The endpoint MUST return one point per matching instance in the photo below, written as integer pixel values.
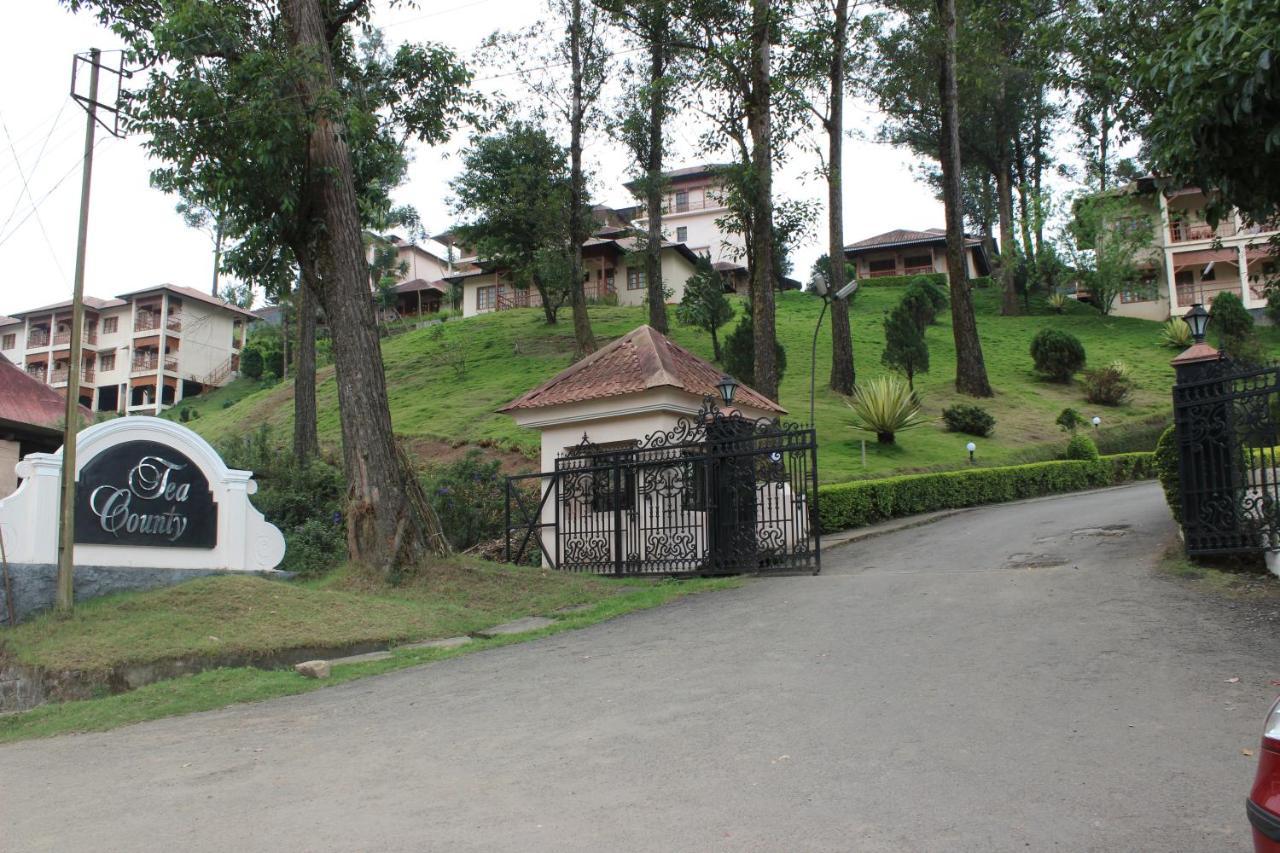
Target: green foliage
(469, 497)
(273, 362)
(251, 364)
(1109, 386)
(1057, 302)
(968, 419)
(937, 278)
(1070, 420)
(1081, 447)
(1105, 237)
(1273, 303)
(905, 347)
(1166, 462)
(1233, 325)
(1057, 354)
(846, 505)
(704, 305)
(923, 300)
(1176, 334)
(739, 352)
(885, 406)
(305, 502)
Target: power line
(52, 189)
(26, 188)
(34, 166)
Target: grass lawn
(230, 615)
(445, 382)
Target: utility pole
(67, 505)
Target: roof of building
(401, 243)
(906, 237)
(8, 321)
(688, 173)
(417, 284)
(636, 362)
(189, 293)
(91, 302)
(626, 245)
(26, 400)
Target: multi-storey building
(1190, 261)
(142, 351)
(691, 212)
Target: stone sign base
(35, 584)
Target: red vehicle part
(1263, 805)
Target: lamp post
(818, 284)
(1198, 319)
(971, 447)
(727, 386)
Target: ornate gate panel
(717, 494)
(1228, 427)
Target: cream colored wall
(14, 353)
(1155, 309)
(471, 288)
(8, 459)
(206, 339)
(421, 265)
(116, 342)
(676, 269)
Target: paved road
(1006, 679)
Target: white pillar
(160, 356)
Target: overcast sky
(137, 240)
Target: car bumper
(1266, 828)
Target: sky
(136, 239)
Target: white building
(143, 351)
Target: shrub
(1069, 420)
(885, 406)
(1273, 304)
(1228, 318)
(971, 420)
(270, 377)
(185, 414)
(1175, 333)
(923, 300)
(739, 352)
(226, 404)
(845, 505)
(1057, 302)
(1166, 464)
(940, 279)
(273, 362)
(251, 362)
(469, 497)
(905, 348)
(1108, 386)
(1057, 354)
(1082, 447)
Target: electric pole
(67, 505)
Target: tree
(516, 189)
(739, 352)
(1106, 237)
(197, 216)
(704, 304)
(905, 347)
(1212, 91)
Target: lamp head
(971, 447)
(727, 386)
(818, 283)
(1198, 319)
(848, 290)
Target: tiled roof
(420, 284)
(29, 401)
(90, 302)
(8, 321)
(190, 293)
(906, 237)
(687, 172)
(641, 360)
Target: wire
(434, 14)
(52, 189)
(26, 188)
(34, 166)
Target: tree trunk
(1037, 170)
(653, 169)
(389, 523)
(843, 372)
(1024, 206)
(1008, 253)
(583, 338)
(1104, 134)
(306, 444)
(971, 370)
(762, 271)
(715, 344)
(218, 236)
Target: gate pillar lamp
(727, 386)
(1198, 319)
(971, 447)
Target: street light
(818, 284)
(971, 447)
(1198, 319)
(727, 386)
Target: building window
(915, 263)
(608, 279)
(636, 279)
(682, 234)
(110, 325)
(107, 362)
(487, 298)
(682, 201)
(9, 341)
(883, 266)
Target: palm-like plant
(1057, 302)
(1175, 333)
(885, 406)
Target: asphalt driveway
(1012, 678)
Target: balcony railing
(1184, 230)
(174, 323)
(145, 363)
(146, 322)
(917, 270)
(1190, 294)
(38, 339)
(881, 273)
(36, 371)
(59, 375)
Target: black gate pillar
(1206, 447)
(732, 512)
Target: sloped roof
(8, 321)
(93, 303)
(417, 284)
(25, 400)
(190, 293)
(686, 173)
(638, 361)
(906, 237)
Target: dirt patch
(1034, 561)
(1105, 532)
(428, 452)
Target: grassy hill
(446, 381)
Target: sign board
(145, 493)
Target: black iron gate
(717, 494)
(1227, 418)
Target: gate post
(1205, 469)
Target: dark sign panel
(145, 493)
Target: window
(682, 234)
(9, 341)
(883, 266)
(487, 298)
(107, 362)
(916, 262)
(636, 279)
(110, 325)
(608, 279)
(682, 201)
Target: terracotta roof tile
(641, 360)
(905, 237)
(29, 401)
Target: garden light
(971, 447)
(727, 386)
(1198, 319)
(1097, 421)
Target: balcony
(1188, 229)
(37, 338)
(59, 376)
(36, 371)
(146, 322)
(925, 270)
(173, 323)
(687, 206)
(1205, 291)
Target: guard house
(646, 470)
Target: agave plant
(1175, 333)
(885, 406)
(1057, 302)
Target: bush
(273, 362)
(1057, 354)
(1069, 420)
(1082, 447)
(1273, 304)
(1166, 464)
(923, 300)
(251, 362)
(1234, 326)
(469, 497)
(226, 404)
(184, 414)
(937, 278)
(1057, 302)
(971, 420)
(845, 505)
(1108, 386)
(885, 406)
(905, 347)
(739, 352)
(1175, 333)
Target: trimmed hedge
(937, 278)
(845, 505)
